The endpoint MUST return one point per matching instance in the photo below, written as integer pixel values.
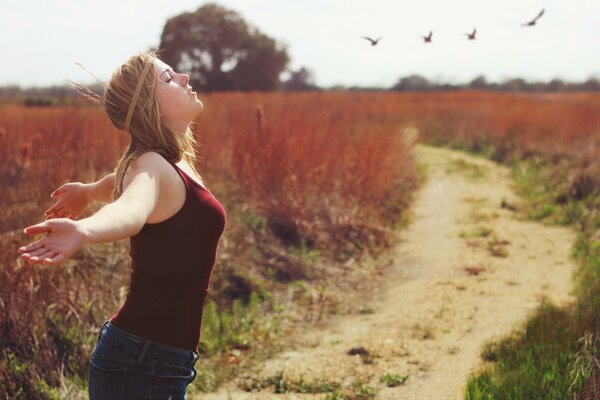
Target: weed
(336, 395)
(585, 362)
(392, 380)
(363, 391)
(479, 231)
(280, 384)
(252, 221)
(543, 212)
(471, 170)
(497, 247)
(306, 252)
(505, 204)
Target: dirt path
(466, 271)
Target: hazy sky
(41, 39)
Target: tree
(479, 83)
(302, 79)
(515, 85)
(556, 85)
(221, 51)
(412, 83)
(592, 84)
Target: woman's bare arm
(74, 197)
(127, 215)
(101, 190)
(118, 220)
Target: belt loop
(102, 329)
(143, 352)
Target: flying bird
(471, 36)
(532, 22)
(427, 39)
(373, 41)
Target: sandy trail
(466, 271)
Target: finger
(59, 191)
(47, 214)
(53, 216)
(31, 259)
(28, 254)
(39, 252)
(53, 209)
(35, 259)
(59, 214)
(54, 260)
(31, 247)
(47, 258)
(39, 228)
(40, 255)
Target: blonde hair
(147, 130)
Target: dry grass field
(313, 183)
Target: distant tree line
(302, 80)
(421, 84)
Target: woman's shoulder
(149, 162)
(154, 158)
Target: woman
(148, 349)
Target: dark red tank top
(171, 267)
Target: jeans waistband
(143, 348)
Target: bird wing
(368, 38)
(539, 15)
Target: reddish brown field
(328, 164)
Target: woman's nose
(186, 79)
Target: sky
(41, 40)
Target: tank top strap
(189, 180)
(182, 175)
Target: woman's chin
(197, 112)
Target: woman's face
(178, 103)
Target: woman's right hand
(63, 238)
(73, 197)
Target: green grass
(480, 231)
(543, 212)
(557, 350)
(237, 326)
(358, 390)
(305, 252)
(531, 364)
(470, 170)
(392, 380)
(242, 334)
(364, 391)
(280, 384)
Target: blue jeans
(124, 366)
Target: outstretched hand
(63, 238)
(73, 197)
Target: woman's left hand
(63, 238)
